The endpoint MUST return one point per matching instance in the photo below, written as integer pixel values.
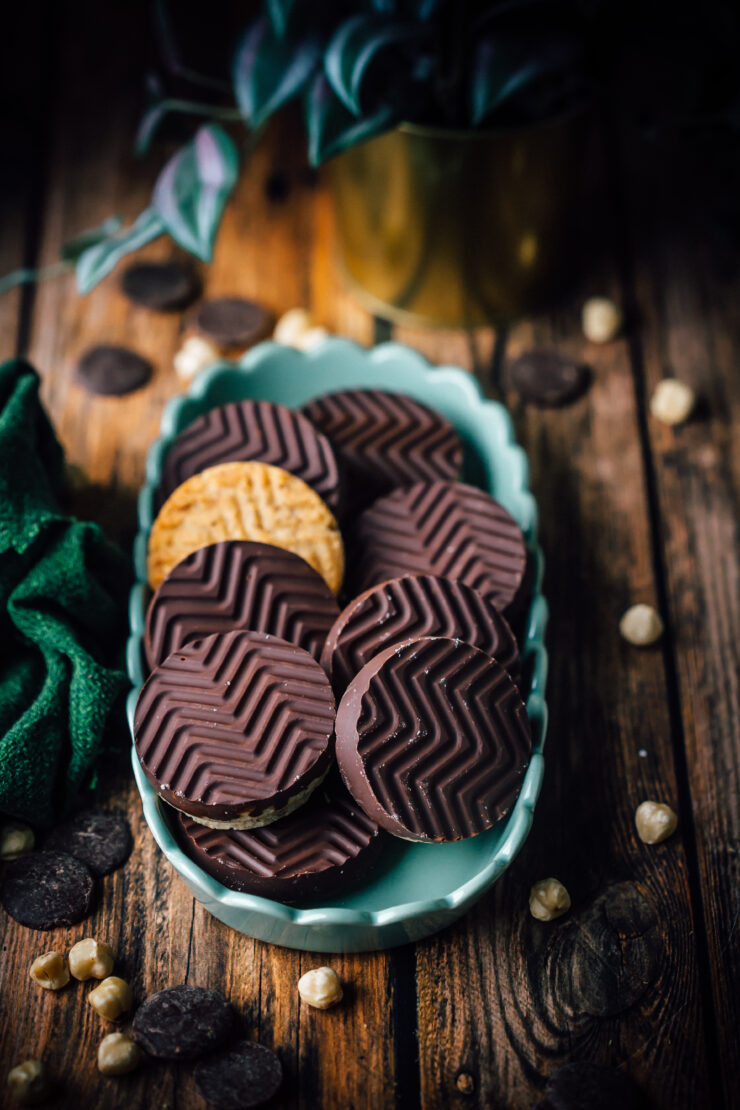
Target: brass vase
(459, 228)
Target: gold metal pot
(458, 228)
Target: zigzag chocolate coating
(253, 431)
(447, 529)
(385, 440)
(233, 728)
(319, 849)
(433, 740)
(237, 584)
(408, 608)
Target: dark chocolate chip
(182, 1023)
(586, 1086)
(163, 286)
(244, 1076)
(100, 840)
(112, 371)
(233, 321)
(548, 378)
(46, 889)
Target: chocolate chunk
(112, 371)
(447, 529)
(182, 1023)
(101, 840)
(236, 728)
(408, 608)
(163, 286)
(47, 889)
(238, 584)
(256, 431)
(548, 378)
(318, 850)
(385, 440)
(433, 740)
(243, 1076)
(586, 1086)
(233, 321)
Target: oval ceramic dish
(418, 888)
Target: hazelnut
(111, 998)
(320, 988)
(29, 1083)
(641, 625)
(90, 959)
(16, 840)
(673, 401)
(118, 1054)
(291, 326)
(50, 971)
(195, 354)
(311, 337)
(601, 320)
(655, 821)
(548, 899)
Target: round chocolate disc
(433, 740)
(47, 889)
(233, 321)
(244, 1076)
(112, 371)
(249, 431)
(162, 286)
(385, 440)
(547, 378)
(318, 850)
(101, 840)
(446, 529)
(236, 729)
(183, 1022)
(408, 608)
(238, 584)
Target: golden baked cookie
(246, 501)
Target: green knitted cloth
(62, 617)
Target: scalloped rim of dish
(520, 819)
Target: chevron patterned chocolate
(443, 528)
(236, 729)
(433, 740)
(256, 431)
(408, 608)
(238, 584)
(385, 440)
(320, 849)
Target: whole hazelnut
(50, 971)
(194, 355)
(673, 401)
(291, 326)
(601, 320)
(29, 1083)
(16, 840)
(111, 998)
(320, 988)
(655, 821)
(548, 899)
(641, 625)
(90, 959)
(118, 1054)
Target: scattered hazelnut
(111, 998)
(118, 1054)
(548, 899)
(195, 354)
(655, 821)
(15, 841)
(29, 1083)
(641, 625)
(320, 988)
(90, 959)
(673, 401)
(601, 320)
(291, 326)
(50, 971)
(312, 337)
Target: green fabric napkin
(62, 618)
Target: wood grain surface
(644, 973)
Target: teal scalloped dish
(417, 888)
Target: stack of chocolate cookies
(290, 735)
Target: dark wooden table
(644, 973)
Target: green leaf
(507, 65)
(148, 126)
(268, 71)
(352, 49)
(98, 261)
(73, 248)
(192, 190)
(280, 12)
(332, 128)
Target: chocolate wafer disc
(433, 740)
